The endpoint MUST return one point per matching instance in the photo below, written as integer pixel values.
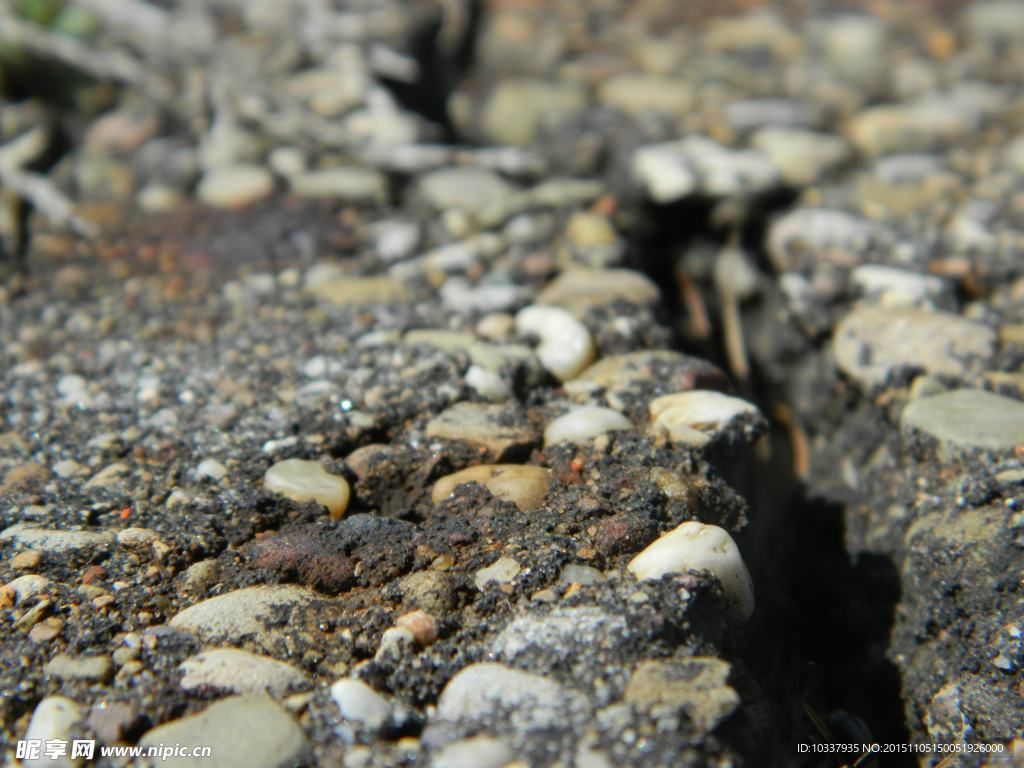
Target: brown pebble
(7, 597)
(443, 563)
(44, 632)
(422, 625)
(26, 477)
(625, 533)
(93, 573)
(27, 561)
(360, 459)
(112, 721)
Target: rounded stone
(967, 419)
(359, 703)
(694, 546)
(871, 342)
(584, 422)
(239, 672)
(301, 480)
(524, 486)
(234, 186)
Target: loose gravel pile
(350, 421)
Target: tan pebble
(7, 597)
(360, 459)
(160, 549)
(307, 480)
(524, 486)
(443, 563)
(46, 631)
(103, 602)
(27, 561)
(544, 596)
(135, 537)
(422, 625)
(495, 326)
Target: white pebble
(273, 446)
(394, 644)
(287, 161)
(489, 384)
(704, 411)
(566, 347)
(878, 279)
(477, 752)
(360, 703)
(307, 480)
(694, 546)
(502, 572)
(28, 586)
(396, 240)
(584, 422)
(233, 186)
(458, 294)
(211, 469)
(53, 718)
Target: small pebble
(27, 561)
(495, 326)
(475, 752)
(307, 480)
(28, 586)
(421, 624)
(694, 417)
(395, 643)
(239, 672)
(359, 703)
(501, 572)
(565, 347)
(211, 469)
(694, 546)
(53, 718)
(524, 486)
(488, 384)
(92, 668)
(136, 537)
(234, 186)
(583, 423)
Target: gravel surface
(580, 384)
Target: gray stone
(59, 542)
(579, 289)
(967, 419)
(240, 672)
(567, 632)
(696, 686)
(241, 730)
(485, 425)
(871, 342)
(91, 668)
(489, 691)
(233, 186)
(348, 183)
(253, 614)
(463, 187)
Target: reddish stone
(625, 533)
(305, 559)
